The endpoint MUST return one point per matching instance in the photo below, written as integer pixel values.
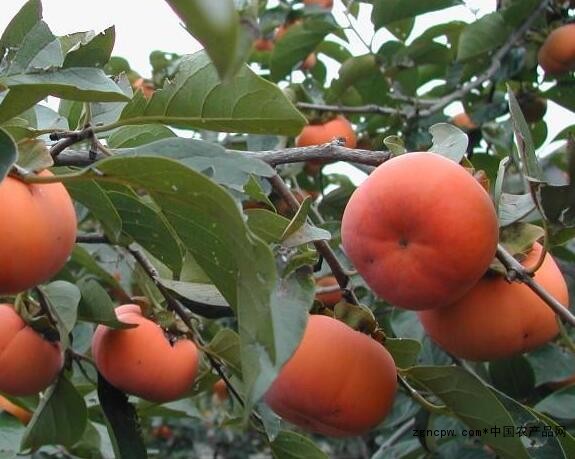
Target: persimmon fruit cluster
(142, 361)
(339, 382)
(420, 230)
(38, 232)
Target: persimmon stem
(46, 179)
(519, 273)
(416, 396)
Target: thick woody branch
(516, 271)
(328, 152)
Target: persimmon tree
(207, 217)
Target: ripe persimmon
(557, 54)
(339, 382)
(464, 121)
(142, 361)
(38, 232)
(316, 134)
(420, 230)
(309, 62)
(328, 298)
(28, 362)
(17, 411)
(327, 4)
(146, 86)
(263, 44)
(497, 319)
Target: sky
(142, 27)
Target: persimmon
(17, 411)
(464, 121)
(38, 232)
(497, 319)
(316, 134)
(420, 230)
(557, 54)
(263, 44)
(327, 4)
(284, 208)
(220, 389)
(28, 362)
(329, 298)
(145, 86)
(339, 382)
(142, 361)
(309, 62)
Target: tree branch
(493, 68)
(328, 152)
(370, 108)
(516, 271)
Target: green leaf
(530, 165)
(541, 445)
(135, 136)
(388, 11)
(216, 25)
(40, 50)
(8, 155)
(448, 141)
(148, 227)
(559, 404)
(95, 198)
(202, 299)
(122, 422)
(514, 207)
(404, 351)
(33, 155)
(299, 219)
(96, 305)
(63, 298)
(472, 402)
(59, 419)
(297, 43)
(93, 52)
(481, 36)
(226, 346)
(198, 99)
(562, 93)
(551, 363)
(291, 445)
(230, 168)
(28, 16)
(513, 376)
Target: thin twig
(322, 247)
(397, 434)
(493, 68)
(516, 271)
(369, 108)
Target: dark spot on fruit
(403, 242)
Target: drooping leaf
(95, 52)
(96, 305)
(472, 402)
(8, 153)
(28, 16)
(60, 418)
(216, 25)
(197, 98)
(63, 298)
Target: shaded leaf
(481, 36)
(63, 298)
(94, 52)
(403, 350)
(388, 11)
(291, 445)
(8, 155)
(96, 305)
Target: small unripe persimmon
(309, 62)
(498, 319)
(420, 230)
(38, 232)
(142, 361)
(220, 389)
(557, 54)
(339, 382)
(328, 298)
(28, 362)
